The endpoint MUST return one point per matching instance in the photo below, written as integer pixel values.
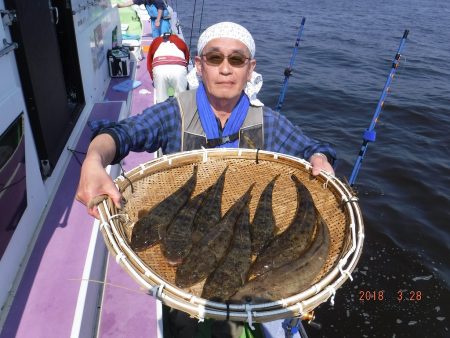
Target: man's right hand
(94, 180)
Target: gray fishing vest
(193, 137)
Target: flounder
(206, 254)
(288, 245)
(232, 271)
(146, 231)
(209, 213)
(177, 240)
(291, 278)
(263, 226)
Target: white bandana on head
(226, 30)
(233, 31)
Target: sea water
(342, 64)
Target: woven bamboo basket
(149, 183)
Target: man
(217, 114)
(157, 10)
(167, 61)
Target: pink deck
(45, 303)
(130, 312)
(47, 295)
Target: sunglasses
(216, 59)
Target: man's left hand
(320, 162)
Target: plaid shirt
(160, 127)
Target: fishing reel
(288, 72)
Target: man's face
(225, 81)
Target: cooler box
(119, 62)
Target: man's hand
(94, 180)
(320, 162)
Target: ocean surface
(342, 65)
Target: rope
(124, 176)
(157, 290)
(332, 291)
(345, 199)
(104, 224)
(75, 152)
(122, 217)
(120, 256)
(201, 313)
(300, 308)
(6, 187)
(141, 172)
(344, 272)
(205, 155)
(316, 289)
(107, 283)
(325, 185)
(248, 309)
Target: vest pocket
(193, 141)
(251, 137)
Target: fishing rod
(288, 71)
(370, 134)
(201, 18)
(192, 26)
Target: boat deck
(126, 309)
(71, 285)
(61, 292)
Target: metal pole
(370, 134)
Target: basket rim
(295, 305)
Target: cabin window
(13, 190)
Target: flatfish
(209, 213)
(206, 255)
(231, 274)
(146, 231)
(263, 225)
(176, 242)
(290, 278)
(288, 245)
